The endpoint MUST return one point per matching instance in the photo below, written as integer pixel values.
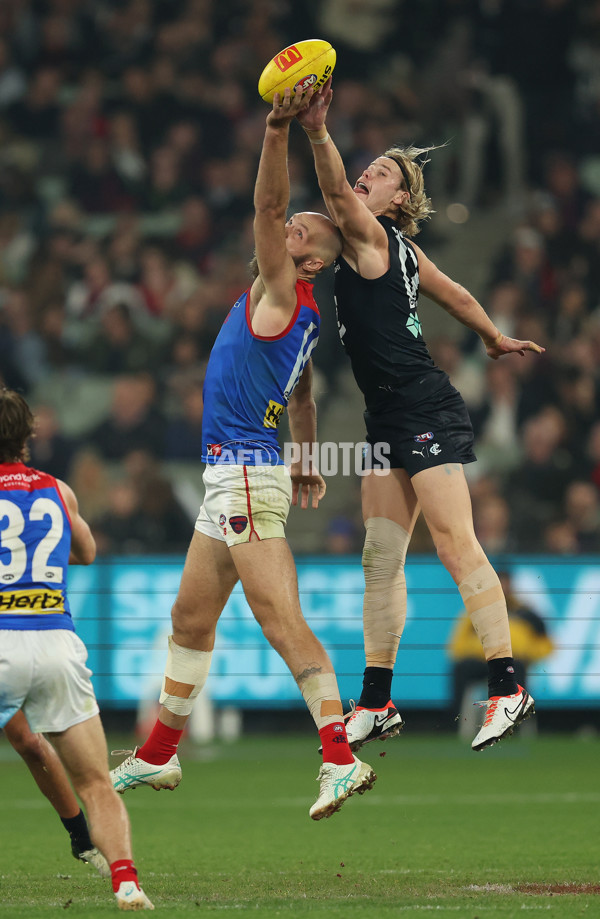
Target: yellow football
(305, 64)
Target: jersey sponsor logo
(213, 449)
(238, 523)
(287, 58)
(29, 602)
(420, 452)
(273, 414)
(423, 438)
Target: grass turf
(501, 833)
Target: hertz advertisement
(122, 611)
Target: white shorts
(244, 503)
(45, 674)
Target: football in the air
(300, 66)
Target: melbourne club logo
(238, 523)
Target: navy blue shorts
(432, 432)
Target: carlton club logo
(287, 58)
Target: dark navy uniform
(410, 403)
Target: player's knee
(459, 553)
(94, 785)
(384, 551)
(189, 628)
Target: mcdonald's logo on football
(287, 58)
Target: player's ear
(400, 197)
(313, 265)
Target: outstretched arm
(271, 198)
(358, 226)
(459, 303)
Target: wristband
(320, 140)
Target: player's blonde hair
(411, 161)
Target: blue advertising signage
(122, 612)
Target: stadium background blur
(129, 140)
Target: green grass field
(503, 833)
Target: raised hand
(313, 116)
(286, 107)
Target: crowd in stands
(130, 132)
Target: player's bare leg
(50, 777)
(82, 750)
(268, 574)
(444, 497)
(208, 578)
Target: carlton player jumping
(260, 364)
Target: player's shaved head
(325, 238)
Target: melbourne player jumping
(260, 364)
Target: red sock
(335, 744)
(123, 870)
(161, 745)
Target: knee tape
(185, 675)
(384, 606)
(486, 605)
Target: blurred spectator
(89, 474)
(36, 115)
(582, 512)
(98, 290)
(343, 537)
(537, 490)
(491, 519)
(119, 344)
(183, 436)
(12, 81)
(134, 422)
(122, 529)
(50, 450)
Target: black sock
(501, 677)
(77, 829)
(377, 687)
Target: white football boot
(367, 724)
(338, 783)
(503, 714)
(130, 896)
(133, 771)
(92, 857)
